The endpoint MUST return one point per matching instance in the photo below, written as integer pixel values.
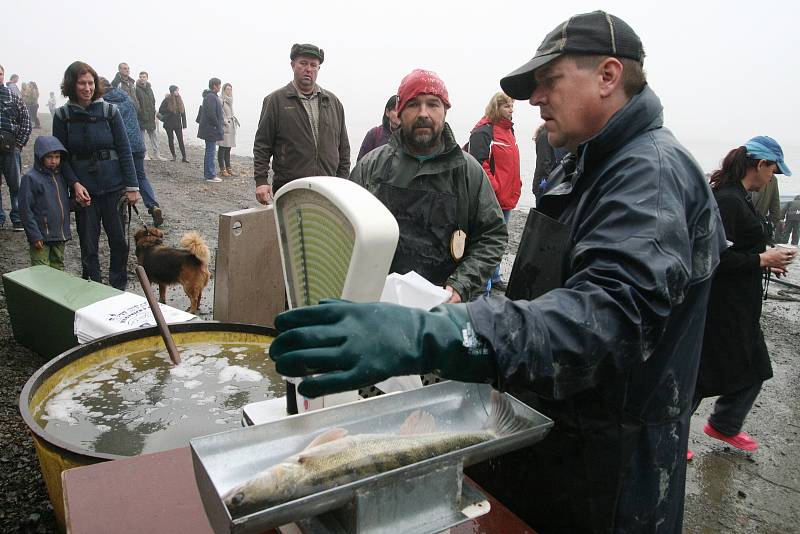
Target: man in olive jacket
(451, 227)
(301, 129)
(146, 114)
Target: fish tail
(502, 419)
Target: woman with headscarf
(93, 132)
(379, 135)
(230, 124)
(735, 362)
(172, 114)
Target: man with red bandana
(451, 226)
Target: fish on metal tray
(334, 458)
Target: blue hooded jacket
(125, 105)
(43, 199)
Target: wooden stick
(156, 309)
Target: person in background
(173, 116)
(120, 98)
(379, 135)
(15, 130)
(51, 103)
(44, 203)
(547, 157)
(768, 203)
(147, 114)
(30, 95)
(12, 85)
(610, 353)
(451, 227)
(791, 214)
(493, 144)
(231, 123)
(123, 80)
(301, 129)
(104, 177)
(735, 361)
(211, 128)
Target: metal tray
(221, 461)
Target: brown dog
(166, 266)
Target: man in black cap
(610, 351)
(302, 129)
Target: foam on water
(239, 374)
(125, 407)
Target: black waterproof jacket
(612, 355)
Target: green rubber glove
(353, 345)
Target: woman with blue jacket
(100, 170)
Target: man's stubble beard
(421, 141)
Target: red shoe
(689, 455)
(741, 440)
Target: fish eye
(238, 498)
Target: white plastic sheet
(120, 313)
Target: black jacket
(172, 120)
(211, 120)
(734, 353)
(612, 354)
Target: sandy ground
(727, 490)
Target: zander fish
(334, 458)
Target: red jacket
(495, 147)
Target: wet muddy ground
(727, 490)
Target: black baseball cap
(595, 33)
(307, 50)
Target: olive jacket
(147, 106)
(486, 232)
(284, 136)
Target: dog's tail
(197, 246)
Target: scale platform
(424, 497)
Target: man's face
(124, 69)
(51, 160)
(305, 70)
(569, 102)
(2, 76)
(422, 121)
(84, 87)
(143, 78)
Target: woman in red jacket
(493, 144)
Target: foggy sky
(725, 71)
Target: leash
(131, 208)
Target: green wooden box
(42, 302)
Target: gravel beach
(727, 490)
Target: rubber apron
(427, 221)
